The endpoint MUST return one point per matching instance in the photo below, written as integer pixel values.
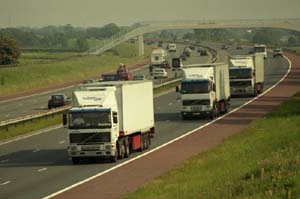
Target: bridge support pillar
(141, 45)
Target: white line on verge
(30, 135)
(36, 150)
(5, 183)
(43, 169)
(171, 141)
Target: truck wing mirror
(177, 89)
(65, 120)
(115, 117)
(214, 87)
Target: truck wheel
(126, 146)
(75, 160)
(121, 149)
(114, 158)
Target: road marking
(3, 161)
(167, 121)
(36, 150)
(7, 115)
(43, 169)
(5, 183)
(61, 142)
(25, 111)
(171, 141)
(20, 104)
(170, 104)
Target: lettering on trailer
(196, 75)
(92, 98)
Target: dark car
(58, 100)
(203, 52)
(277, 52)
(183, 57)
(239, 47)
(224, 47)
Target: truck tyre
(114, 158)
(121, 149)
(126, 146)
(75, 160)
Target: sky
(87, 13)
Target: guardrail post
(141, 45)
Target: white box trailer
(205, 90)
(110, 119)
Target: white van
(172, 47)
(159, 73)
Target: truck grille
(195, 102)
(87, 138)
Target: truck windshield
(239, 73)
(193, 87)
(259, 49)
(240, 83)
(90, 120)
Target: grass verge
(43, 69)
(262, 161)
(29, 126)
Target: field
(41, 69)
(261, 162)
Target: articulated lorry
(204, 90)
(159, 58)
(110, 119)
(246, 75)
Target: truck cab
(261, 50)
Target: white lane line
(43, 169)
(7, 115)
(3, 161)
(36, 150)
(170, 104)
(30, 135)
(61, 142)
(5, 183)
(167, 121)
(171, 141)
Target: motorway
(38, 166)
(38, 103)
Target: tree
(9, 51)
(292, 41)
(82, 43)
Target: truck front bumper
(194, 114)
(90, 151)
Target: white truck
(159, 58)
(260, 49)
(204, 90)
(172, 47)
(110, 119)
(246, 74)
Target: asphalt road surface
(38, 166)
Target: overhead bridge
(154, 26)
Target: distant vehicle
(192, 47)
(123, 72)
(177, 63)
(172, 47)
(159, 73)
(224, 47)
(183, 57)
(204, 90)
(187, 52)
(261, 49)
(160, 44)
(246, 75)
(139, 77)
(203, 52)
(159, 58)
(58, 100)
(110, 120)
(277, 52)
(239, 47)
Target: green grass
(42, 69)
(234, 169)
(29, 126)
